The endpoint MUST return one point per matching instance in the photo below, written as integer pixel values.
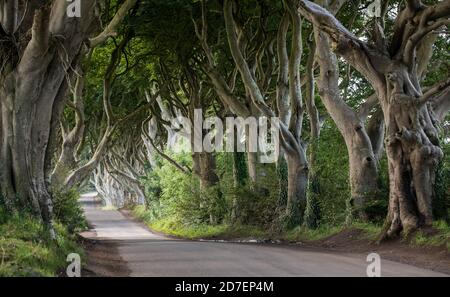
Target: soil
(398, 250)
(103, 259)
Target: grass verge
(173, 227)
(27, 250)
(439, 237)
(367, 231)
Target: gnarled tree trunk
(32, 94)
(413, 152)
(33, 89)
(395, 72)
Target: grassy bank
(27, 250)
(440, 236)
(174, 227)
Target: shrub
(441, 203)
(68, 211)
(174, 194)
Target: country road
(149, 254)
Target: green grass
(27, 250)
(304, 234)
(369, 231)
(442, 238)
(174, 227)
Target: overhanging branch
(110, 29)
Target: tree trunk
(71, 140)
(31, 96)
(282, 174)
(413, 152)
(363, 172)
(252, 161)
(312, 212)
(209, 183)
(395, 69)
(296, 194)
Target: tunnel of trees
(90, 93)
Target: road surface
(149, 254)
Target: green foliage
(252, 208)
(332, 163)
(441, 203)
(27, 250)
(68, 211)
(282, 173)
(172, 193)
(177, 197)
(312, 212)
(302, 233)
(255, 204)
(173, 227)
(439, 238)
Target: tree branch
(110, 29)
(367, 106)
(369, 61)
(9, 15)
(295, 92)
(161, 153)
(435, 91)
(441, 104)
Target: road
(149, 254)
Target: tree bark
(71, 139)
(363, 171)
(312, 212)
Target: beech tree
(41, 44)
(290, 98)
(395, 70)
(364, 148)
(95, 98)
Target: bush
(68, 211)
(171, 193)
(253, 207)
(441, 204)
(333, 185)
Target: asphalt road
(149, 254)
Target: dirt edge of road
(352, 241)
(103, 259)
